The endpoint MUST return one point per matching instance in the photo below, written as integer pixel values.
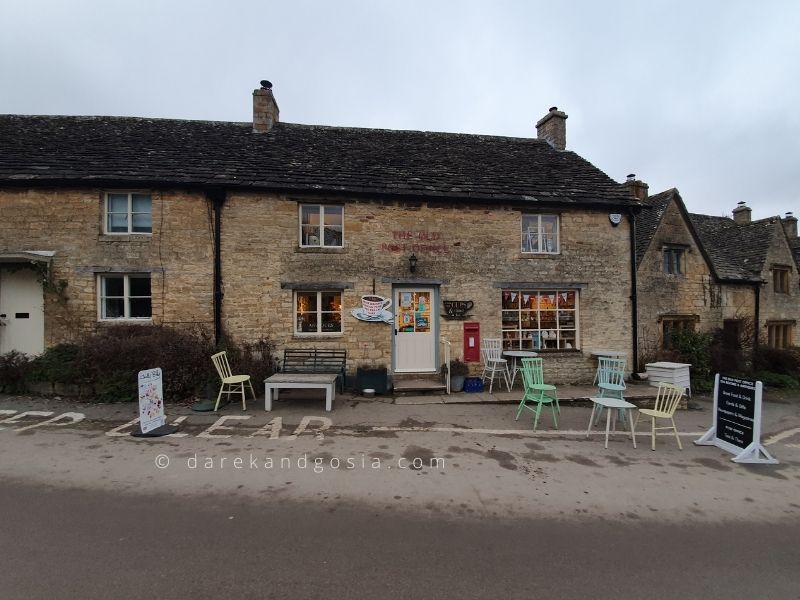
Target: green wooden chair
(536, 391)
(610, 379)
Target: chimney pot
(553, 128)
(631, 176)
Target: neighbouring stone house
(327, 237)
(707, 273)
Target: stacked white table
(669, 372)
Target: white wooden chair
(493, 362)
(231, 384)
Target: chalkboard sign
(736, 406)
(737, 420)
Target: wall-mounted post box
(472, 342)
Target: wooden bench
(316, 361)
(285, 381)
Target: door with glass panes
(415, 337)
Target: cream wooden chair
(667, 400)
(493, 362)
(233, 383)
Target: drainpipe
(634, 295)
(217, 197)
(757, 316)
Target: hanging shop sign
(737, 420)
(457, 309)
(374, 309)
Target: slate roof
(60, 150)
(794, 244)
(738, 252)
(647, 221)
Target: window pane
(309, 215)
(529, 300)
(529, 319)
(113, 308)
(113, 286)
(142, 222)
(333, 215)
(331, 301)
(547, 319)
(307, 323)
(333, 236)
(549, 234)
(510, 300)
(118, 223)
(566, 300)
(530, 233)
(306, 301)
(331, 322)
(141, 308)
(311, 235)
(139, 286)
(510, 319)
(547, 300)
(118, 203)
(566, 319)
(141, 203)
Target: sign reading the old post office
(737, 420)
(416, 242)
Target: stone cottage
(382, 243)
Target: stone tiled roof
(738, 252)
(647, 221)
(794, 244)
(297, 158)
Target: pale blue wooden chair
(537, 391)
(611, 381)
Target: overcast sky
(702, 96)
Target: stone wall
(178, 254)
(778, 306)
(469, 249)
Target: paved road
(58, 543)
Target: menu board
(736, 404)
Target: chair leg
(652, 433)
(555, 418)
(252, 390)
(677, 437)
(591, 419)
(244, 402)
(555, 396)
(219, 397)
(536, 416)
(519, 409)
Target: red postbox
(472, 341)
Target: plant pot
(457, 383)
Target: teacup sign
(374, 309)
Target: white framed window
(128, 212)
(124, 297)
(540, 234)
(321, 226)
(540, 319)
(318, 313)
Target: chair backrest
(668, 398)
(491, 349)
(532, 372)
(220, 360)
(611, 371)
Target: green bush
(58, 364)
(777, 380)
(785, 362)
(14, 368)
(694, 348)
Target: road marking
(72, 416)
(27, 413)
(218, 424)
(304, 423)
(523, 432)
(782, 436)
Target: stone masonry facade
(178, 255)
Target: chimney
(553, 128)
(790, 225)
(638, 189)
(741, 214)
(265, 109)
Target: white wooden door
(415, 326)
(21, 312)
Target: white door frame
(434, 326)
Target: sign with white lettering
(151, 400)
(737, 420)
